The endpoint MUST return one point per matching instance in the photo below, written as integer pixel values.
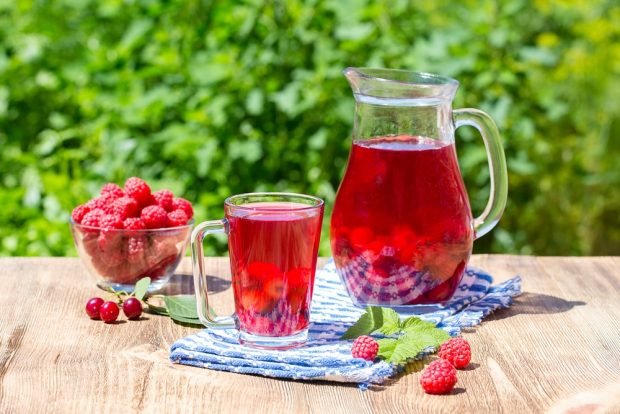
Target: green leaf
(411, 344)
(386, 347)
(141, 288)
(366, 324)
(432, 336)
(391, 321)
(406, 349)
(376, 318)
(184, 320)
(157, 310)
(181, 306)
(414, 323)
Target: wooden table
(560, 338)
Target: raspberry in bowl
(129, 233)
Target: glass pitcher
(402, 229)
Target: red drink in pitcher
(401, 230)
(273, 252)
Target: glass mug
(273, 241)
(402, 229)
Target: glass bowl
(119, 258)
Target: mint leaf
(141, 287)
(181, 306)
(391, 321)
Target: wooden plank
(561, 338)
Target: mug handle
(497, 166)
(205, 313)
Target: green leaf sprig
(139, 291)
(407, 338)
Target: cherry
(92, 307)
(109, 312)
(132, 308)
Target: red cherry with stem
(132, 308)
(92, 307)
(109, 312)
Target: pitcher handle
(205, 314)
(497, 166)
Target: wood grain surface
(560, 340)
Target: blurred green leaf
(216, 98)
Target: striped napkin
(325, 356)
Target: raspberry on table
(139, 190)
(179, 203)
(164, 199)
(365, 347)
(134, 223)
(113, 190)
(79, 212)
(438, 377)
(177, 218)
(154, 217)
(456, 351)
(125, 207)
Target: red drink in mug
(273, 245)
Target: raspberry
(365, 347)
(163, 266)
(91, 219)
(89, 241)
(182, 204)
(137, 189)
(154, 217)
(177, 218)
(109, 240)
(136, 246)
(438, 377)
(103, 202)
(79, 212)
(164, 199)
(113, 190)
(456, 351)
(112, 257)
(111, 222)
(134, 223)
(125, 207)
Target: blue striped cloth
(325, 356)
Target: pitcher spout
(400, 84)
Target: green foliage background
(215, 98)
